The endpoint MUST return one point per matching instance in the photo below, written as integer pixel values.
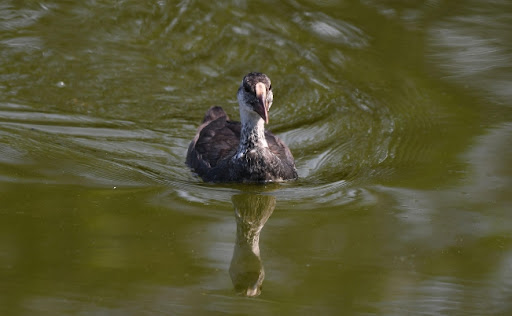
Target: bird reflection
(251, 213)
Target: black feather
(211, 154)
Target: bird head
(255, 94)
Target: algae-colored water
(398, 114)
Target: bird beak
(262, 107)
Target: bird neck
(252, 134)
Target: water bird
(228, 151)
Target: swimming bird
(229, 151)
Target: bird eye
(270, 88)
(247, 88)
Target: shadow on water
(252, 210)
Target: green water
(398, 114)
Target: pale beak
(262, 106)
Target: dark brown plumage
(228, 151)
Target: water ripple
(331, 30)
(127, 97)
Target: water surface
(398, 115)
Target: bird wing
(214, 113)
(279, 148)
(215, 141)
